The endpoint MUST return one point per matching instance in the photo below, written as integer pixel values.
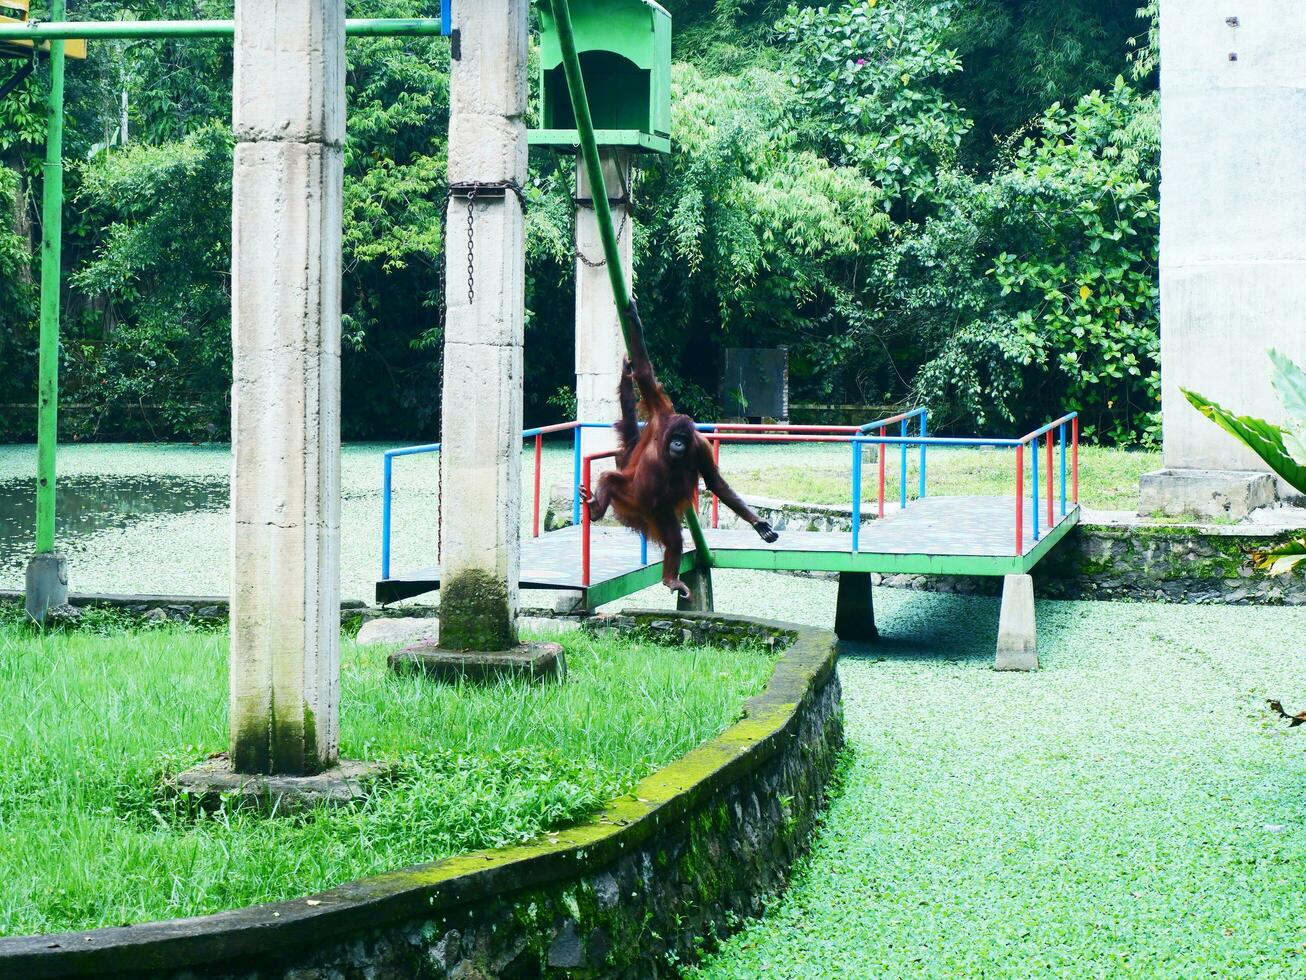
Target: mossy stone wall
(642, 888)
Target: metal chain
(470, 190)
(471, 245)
(625, 216)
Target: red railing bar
(716, 502)
(1020, 499)
(881, 455)
(914, 413)
(756, 427)
(1052, 519)
(780, 437)
(585, 527)
(539, 454)
(1074, 454)
(585, 515)
(1045, 428)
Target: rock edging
(632, 892)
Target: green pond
(153, 517)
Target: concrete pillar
(1017, 638)
(599, 344)
(1233, 222)
(289, 117)
(854, 612)
(482, 408)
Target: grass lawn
(1132, 810)
(816, 474)
(90, 721)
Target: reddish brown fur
(650, 490)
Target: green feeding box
(625, 57)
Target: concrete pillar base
(699, 581)
(47, 585)
(530, 661)
(1228, 494)
(854, 613)
(1017, 638)
(213, 785)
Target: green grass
(1108, 477)
(91, 720)
(1132, 810)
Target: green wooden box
(625, 56)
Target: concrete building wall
(1233, 214)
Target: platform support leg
(854, 612)
(699, 581)
(1017, 640)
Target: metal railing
(1063, 432)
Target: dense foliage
(942, 200)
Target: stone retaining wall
(637, 890)
(1167, 563)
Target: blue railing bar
(1049, 427)
(412, 450)
(902, 469)
(575, 478)
(643, 548)
(857, 494)
(387, 475)
(1034, 488)
(893, 418)
(944, 441)
(446, 17)
(1063, 468)
(924, 434)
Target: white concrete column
(482, 407)
(289, 116)
(1017, 633)
(599, 344)
(1233, 215)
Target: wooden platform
(934, 536)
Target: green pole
(145, 29)
(589, 149)
(627, 311)
(47, 418)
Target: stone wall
(178, 608)
(1206, 564)
(636, 891)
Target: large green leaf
(1283, 558)
(1263, 438)
(1290, 383)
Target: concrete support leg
(854, 613)
(286, 265)
(47, 585)
(1017, 641)
(599, 344)
(482, 409)
(699, 581)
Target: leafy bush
(1073, 221)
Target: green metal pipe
(589, 148)
(144, 29)
(47, 410)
